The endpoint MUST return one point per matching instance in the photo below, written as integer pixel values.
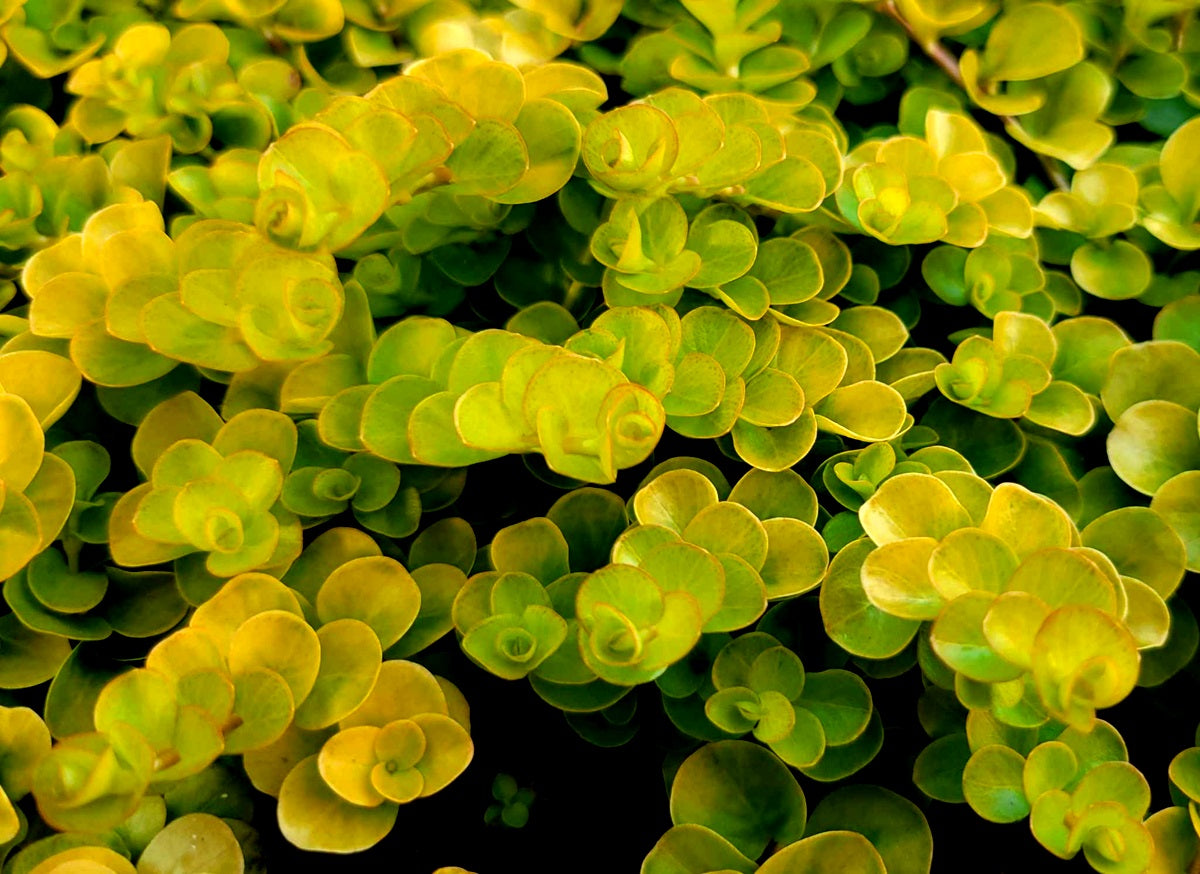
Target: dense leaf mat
(800, 394)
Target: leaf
(770, 495)
(850, 619)
(350, 660)
(958, 639)
(1026, 521)
(826, 853)
(1063, 407)
(727, 248)
(1042, 40)
(789, 269)
(1141, 544)
(198, 843)
(796, 558)
(1152, 442)
(894, 825)
(673, 499)
(1117, 272)
(375, 590)
(912, 505)
(535, 546)
(313, 817)
(938, 771)
(993, 784)
(742, 792)
(691, 849)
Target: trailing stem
(948, 64)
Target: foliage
(701, 367)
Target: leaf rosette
(409, 739)
(90, 288)
(1027, 369)
(1005, 273)
(1035, 620)
(1078, 790)
(213, 492)
(467, 397)
(155, 82)
(720, 48)
(948, 186)
(241, 300)
(725, 146)
(761, 688)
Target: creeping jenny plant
(749, 376)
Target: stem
(948, 64)
(72, 546)
(937, 52)
(1179, 31)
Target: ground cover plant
(686, 436)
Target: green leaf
(826, 853)
(1157, 370)
(693, 849)
(727, 248)
(790, 270)
(1141, 544)
(535, 546)
(959, 640)
(894, 825)
(850, 619)
(742, 792)
(1152, 442)
(938, 771)
(993, 784)
(197, 843)
(1117, 272)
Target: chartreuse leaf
(91, 858)
(1175, 841)
(687, 848)
(895, 826)
(375, 590)
(351, 655)
(912, 505)
(850, 618)
(314, 817)
(1083, 660)
(825, 853)
(191, 844)
(674, 499)
(993, 784)
(1140, 544)
(796, 559)
(742, 792)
